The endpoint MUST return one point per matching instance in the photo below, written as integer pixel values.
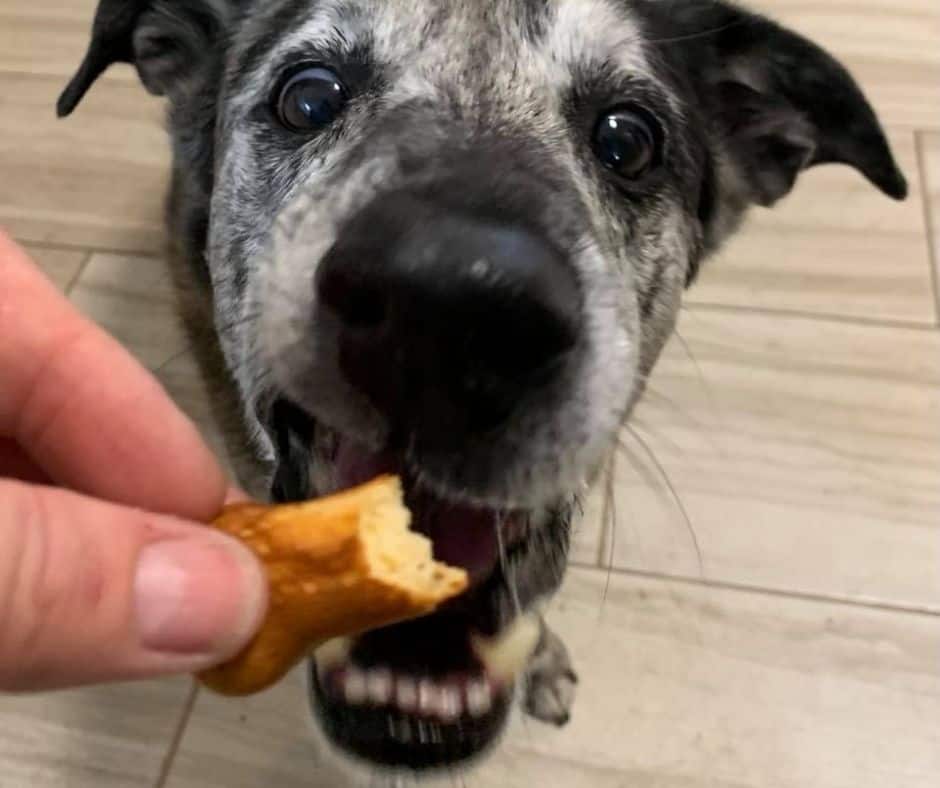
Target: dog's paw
(550, 682)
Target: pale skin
(107, 571)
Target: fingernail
(197, 597)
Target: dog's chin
(433, 693)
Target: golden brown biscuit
(338, 566)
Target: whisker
(507, 566)
(741, 20)
(647, 450)
(657, 434)
(698, 369)
(609, 520)
(702, 427)
(655, 396)
(701, 34)
(713, 402)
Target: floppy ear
(782, 103)
(165, 39)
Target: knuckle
(52, 583)
(25, 562)
(16, 624)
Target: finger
(16, 464)
(236, 495)
(86, 412)
(92, 592)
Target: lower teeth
(503, 658)
(443, 701)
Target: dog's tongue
(463, 535)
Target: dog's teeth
(354, 686)
(400, 730)
(424, 731)
(379, 687)
(450, 704)
(428, 698)
(479, 698)
(508, 653)
(406, 694)
(332, 654)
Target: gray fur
(502, 95)
(550, 681)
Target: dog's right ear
(166, 40)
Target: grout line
(603, 547)
(933, 232)
(63, 78)
(90, 248)
(176, 739)
(824, 317)
(727, 585)
(175, 357)
(78, 274)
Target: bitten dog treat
(338, 566)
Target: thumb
(93, 592)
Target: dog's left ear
(782, 104)
(166, 40)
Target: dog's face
(448, 240)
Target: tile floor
(772, 623)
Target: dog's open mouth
(421, 695)
(433, 692)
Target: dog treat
(338, 566)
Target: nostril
(358, 303)
(490, 400)
(365, 307)
(524, 340)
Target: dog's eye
(310, 99)
(627, 141)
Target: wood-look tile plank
(49, 37)
(806, 454)
(103, 737)
(930, 167)
(836, 246)
(182, 379)
(133, 299)
(681, 686)
(97, 179)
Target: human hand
(105, 574)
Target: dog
(448, 239)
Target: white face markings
(427, 46)
(450, 57)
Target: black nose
(447, 322)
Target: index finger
(86, 412)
